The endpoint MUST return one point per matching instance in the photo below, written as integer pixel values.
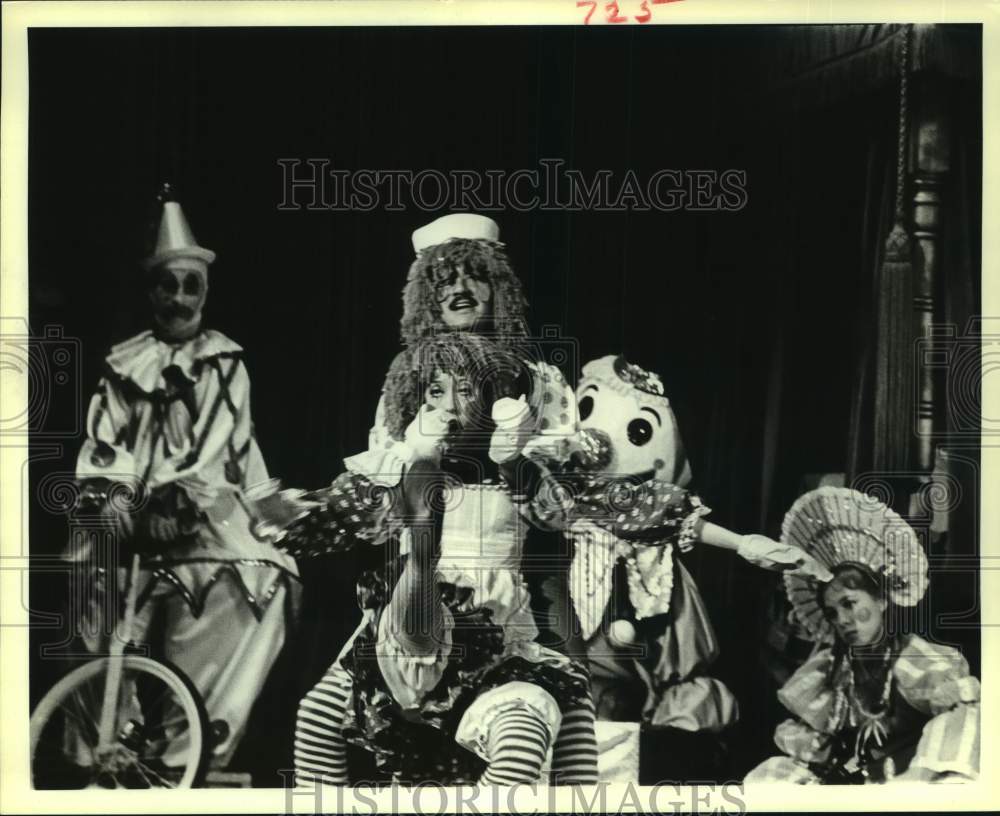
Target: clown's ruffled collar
(143, 359)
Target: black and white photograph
(398, 406)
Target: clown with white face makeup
(172, 416)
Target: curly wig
(495, 371)
(422, 313)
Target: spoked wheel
(159, 735)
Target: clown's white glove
(426, 435)
(762, 551)
(514, 423)
(277, 512)
(549, 449)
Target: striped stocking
(517, 745)
(574, 755)
(320, 750)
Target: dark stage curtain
(821, 345)
(761, 322)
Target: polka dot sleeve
(649, 511)
(353, 509)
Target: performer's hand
(427, 433)
(762, 551)
(281, 509)
(513, 420)
(548, 450)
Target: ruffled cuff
(807, 695)
(934, 678)
(950, 743)
(802, 742)
(955, 692)
(410, 676)
(382, 466)
(690, 531)
(474, 729)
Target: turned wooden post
(930, 163)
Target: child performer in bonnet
(871, 704)
(445, 679)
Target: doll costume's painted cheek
(856, 615)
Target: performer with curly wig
(460, 286)
(445, 679)
(462, 280)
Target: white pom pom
(621, 633)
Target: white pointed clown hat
(455, 225)
(174, 239)
(837, 526)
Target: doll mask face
(178, 295)
(642, 437)
(464, 295)
(856, 615)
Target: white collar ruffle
(142, 359)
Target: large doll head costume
(178, 274)
(462, 280)
(629, 446)
(623, 408)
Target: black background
(740, 312)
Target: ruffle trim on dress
(409, 676)
(479, 661)
(502, 591)
(474, 728)
(807, 693)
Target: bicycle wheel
(160, 730)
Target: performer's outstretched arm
(416, 615)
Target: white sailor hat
(455, 225)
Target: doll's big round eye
(192, 286)
(586, 407)
(639, 432)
